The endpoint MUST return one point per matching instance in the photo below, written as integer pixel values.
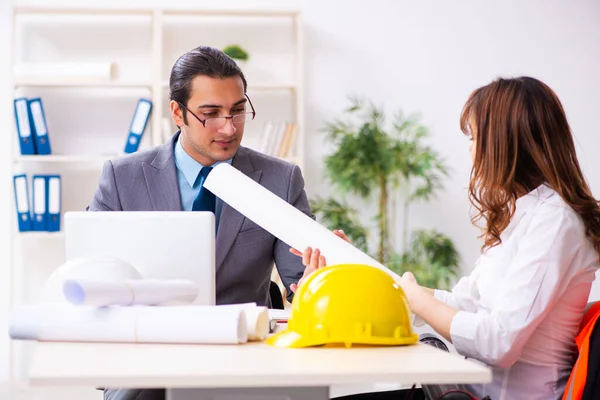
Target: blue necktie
(205, 201)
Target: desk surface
(248, 365)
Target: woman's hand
(423, 304)
(414, 292)
(313, 259)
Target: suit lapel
(161, 179)
(231, 220)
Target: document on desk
(282, 219)
(96, 292)
(281, 316)
(137, 324)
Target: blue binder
(40, 203)
(138, 125)
(37, 120)
(53, 190)
(22, 203)
(24, 129)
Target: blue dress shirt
(188, 170)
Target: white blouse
(521, 306)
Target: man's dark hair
(202, 60)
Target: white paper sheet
(281, 219)
(139, 324)
(96, 292)
(257, 320)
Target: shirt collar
(525, 203)
(538, 194)
(189, 167)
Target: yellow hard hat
(347, 304)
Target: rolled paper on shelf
(139, 324)
(101, 71)
(94, 292)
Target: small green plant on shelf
(236, 52)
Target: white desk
(254, 369)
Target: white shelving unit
(88, 119)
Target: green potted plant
(375, 161)
(236, 52)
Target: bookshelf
(88, 117)
(64, 158)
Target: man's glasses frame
(216, 120)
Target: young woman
(520, 308)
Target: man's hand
(312, 260)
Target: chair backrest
(276, 296)
(592, 383)
(584, 381)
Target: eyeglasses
(219, 122)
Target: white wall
(428, 56)
(5, 183)
(422, 56)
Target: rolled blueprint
(96, 292)
(257, 319)
(281, 219)
(139, 324)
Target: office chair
(590, 368)
(592, 382)
(443, 392)
(276, 296)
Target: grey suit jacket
(245, 253)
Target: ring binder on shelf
(40, 129)
(40, 203)
(138, 125)
(22, 203)
(54, 202)
(26, 141)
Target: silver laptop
(160, 244)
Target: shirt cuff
(463, 331)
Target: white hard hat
(101, 268)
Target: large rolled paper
(95, 292)
(281, 219)
(257, 320)
(141, 324)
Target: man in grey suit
(210, 106)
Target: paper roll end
(261, 330)
(242, 328)
(23, 325)
(73, 292)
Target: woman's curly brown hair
(522, 140)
